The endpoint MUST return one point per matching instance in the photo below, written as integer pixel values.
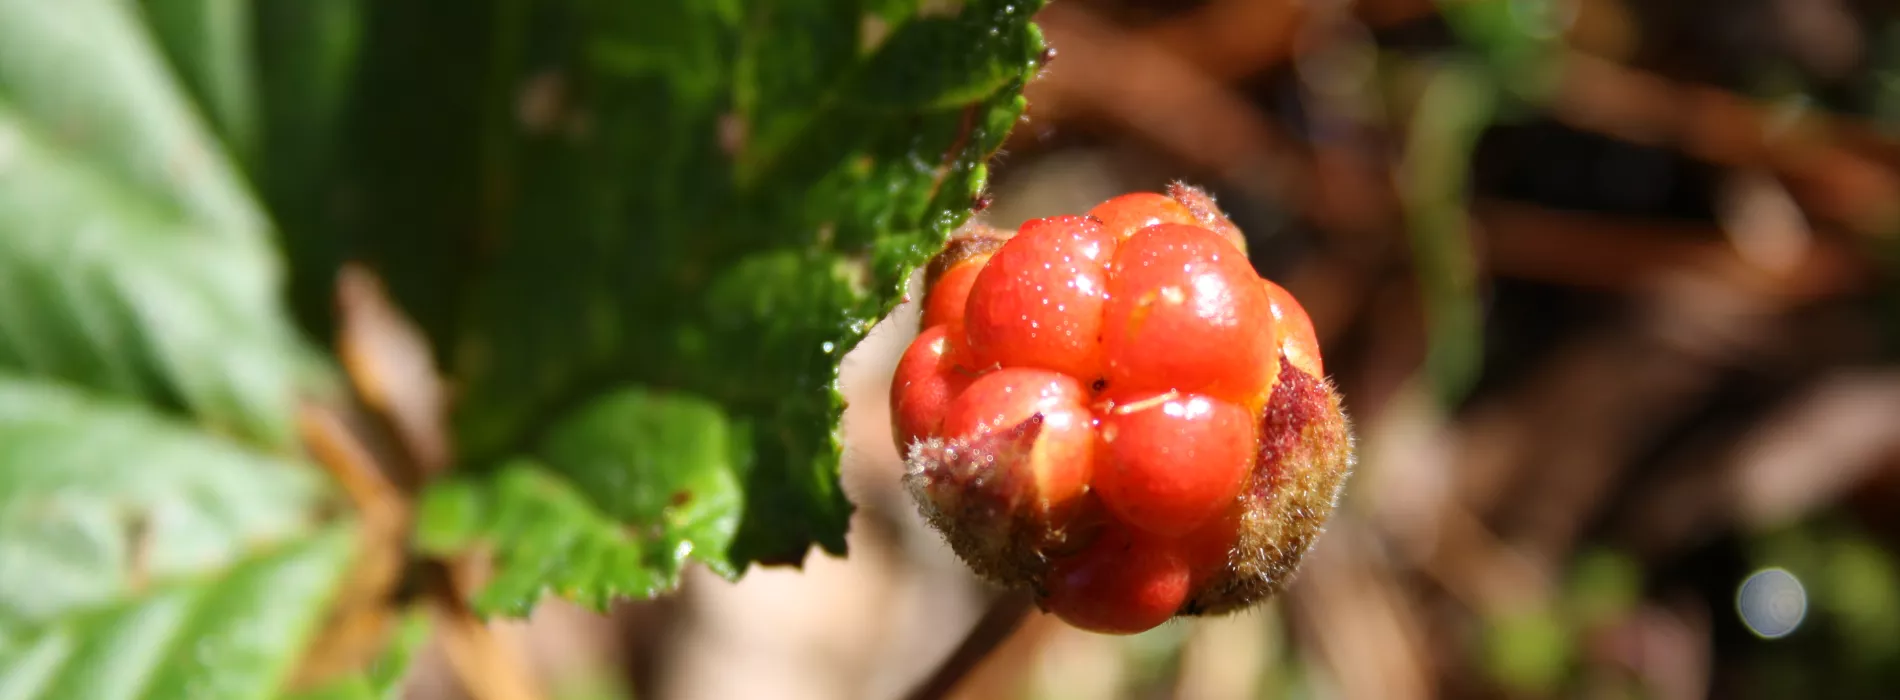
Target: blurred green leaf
(1519, 41)
(131, 260)
(720, 199)
(1454, 110)
(1882, 79)
(308, 66)
(98, 287)
(1603, 586)
(1852, 586)
(226, 637)
(135, 268)
(397, 169)
(625, 491)
(1847, 637)
(96, 496)
(88, 80)
(793, 60)
(209, 43)
(1528, 651)
(1860, 587)
(383, 678)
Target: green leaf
(627, 489)
(785, 49)
(96, 496)
(131, 260)
(230, 636)
(383, 678)
(374, 148)
(89, 76)
(720, 199)
(98, 287)
(308, 56)
(209, 43)
(661, 464)
(772, 312)
(946, 62)
(546, 536)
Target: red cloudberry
(1116, 410)
(1167, 463)
(933, 370)
(1124, 215)
(1298, 343)
(1122, 583)
(1209, 547)
(952, 272)
(1059, 460)
(1187, 312)
(1038, 301)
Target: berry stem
(1005, 615)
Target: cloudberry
(1123, 582)
(1058, 461)
(1186, 311)
(1298, 343)
(933, 370)
(1124, 215)
(1115, 411)
(1170, 462)
(1038, 301)
(952, 271)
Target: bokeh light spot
(1772, 603)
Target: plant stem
(1007, 613)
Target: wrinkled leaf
(946, 62)
(720, 199)
(546, 537)
(231, 636)
(663, 465)
(96, 497)
(625, 491)
(762, 311)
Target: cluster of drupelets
(1116, 410)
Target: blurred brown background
(1609, 287)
